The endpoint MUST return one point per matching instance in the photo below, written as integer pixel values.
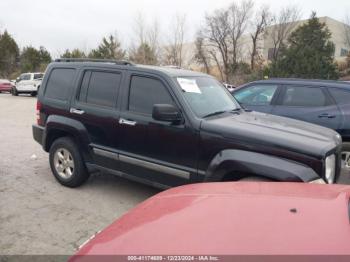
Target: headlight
(330, 169)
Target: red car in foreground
(5, 85)
(248, 218)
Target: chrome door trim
(155, 167)
(141, 163)
(76, 111)
(123, 121)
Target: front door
(257, 97)
(163, 152)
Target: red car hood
(232, 218)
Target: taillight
(38, 117)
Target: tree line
(13, 61)
(229, 44)
(233, 35)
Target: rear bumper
(24, 89)
(5, 89)
(38, 133)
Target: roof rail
(117, 62)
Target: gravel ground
(37, 215)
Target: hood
(232, 219)
(278, 132)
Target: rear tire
(33, 94)
(14, 92)
(67, 163)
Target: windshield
(206, 95)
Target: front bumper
(38, 133)
(318, 181)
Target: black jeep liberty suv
(167, 127)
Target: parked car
(5, 85)
(28, 83)
(231, 219)
(229, 87)
(325, 103)
(167, 127)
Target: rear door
(25, 79)
(308, 103)
(257, 97)
(95, 106)
(342, 98)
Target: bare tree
(145, 47)
(261, 21)
(153, 38)
(202, 56)
(140, 28)
(284, 22)
(222, 35)
(238, 15)
(174, 49)
(216, 33)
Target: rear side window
(60, 83)
(340, 96)
(146, 92)
(304, 96)
(100, 88)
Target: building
(338, 38)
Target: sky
(61, 24)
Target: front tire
(255, 179)
(67, 163)
(33, 94)
(345, 156)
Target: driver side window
(145, 92)
(256, 95)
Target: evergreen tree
(66, 54)
(110, 48)
(33, 60)
(9, 54)
(75, 53)
(308, 54)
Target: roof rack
(173, 66)
(117, 62)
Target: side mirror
(18, 79)
(166, 113)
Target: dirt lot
(37, 215)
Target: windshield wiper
(214, 114)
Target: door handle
(326, 115)
(76, 111)
(123, 121)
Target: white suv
(28, 83)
